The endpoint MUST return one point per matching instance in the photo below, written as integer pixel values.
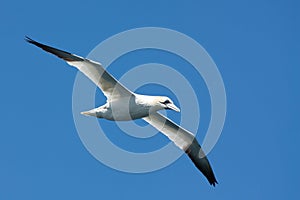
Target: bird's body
(123, 105)
(127, 108)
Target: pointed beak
(173, 107)
(89, 113)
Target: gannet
(123, 104)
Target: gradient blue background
(254, 43)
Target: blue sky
(255, 45)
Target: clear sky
(255, 45)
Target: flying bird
(123, 104)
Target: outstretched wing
(93, 70)
(185, 141)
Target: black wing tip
(211, 178)
(213, 183)
(205, 168)
(200, 160)
(59, 53)
(29, 40)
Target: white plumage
(122, 104)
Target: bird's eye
(167, 101)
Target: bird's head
(166, 103)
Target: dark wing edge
(93, 70)
(59, 53)
(200, 160)
(185, 141)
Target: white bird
(123, 104)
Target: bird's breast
(126, 110)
